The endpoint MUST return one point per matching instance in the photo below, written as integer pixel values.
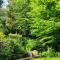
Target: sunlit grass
(46, 58)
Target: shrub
(30, 44)
(49, 53)
(10, 48)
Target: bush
(57, 54)
(30, 44)
(10, 48)
(49, 53)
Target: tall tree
(18, 18)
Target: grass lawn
(46, 58)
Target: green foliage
(18, 18)
(25, 19)
(49, 53)
(30, 44)
(45, 9)
(10, 47)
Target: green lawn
(46, 58)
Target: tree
(18, 12)
(45, 22)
